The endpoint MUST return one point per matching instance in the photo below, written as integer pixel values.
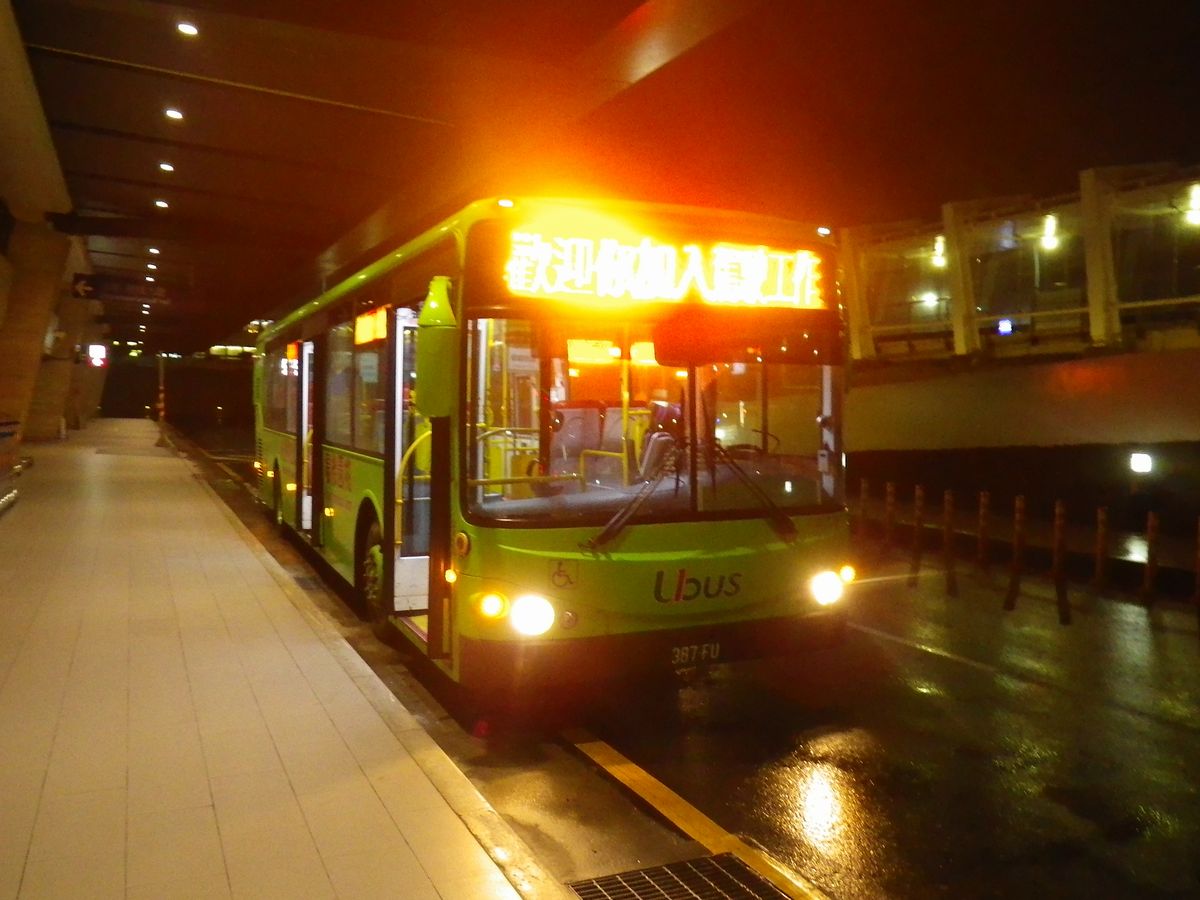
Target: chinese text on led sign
(568, 268)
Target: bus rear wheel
(370, 585)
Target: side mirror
(437, 352)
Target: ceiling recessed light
(149, 277)
(166, 167)
(187, 28)
(145, 306)
(162, 204)
(151, 266)
(172, 113)
(154, 250)
(145, 312)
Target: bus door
(412, 464)
(306, 466)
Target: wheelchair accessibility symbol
(565, 573)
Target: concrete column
(1096, 203)
(853, 264)
(38, 255)
(962, 286)
(53, 406)
(6, 272)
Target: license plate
(694, 654)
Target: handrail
(404, 464)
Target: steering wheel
(749, 450)
(744, 451)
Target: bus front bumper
(514, 666)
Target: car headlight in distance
(531, 615)
(826, 587)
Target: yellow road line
(690, 820)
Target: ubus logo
(687, 588)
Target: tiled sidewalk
(177, 721)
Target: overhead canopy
(303, 135)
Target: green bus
(553, 441)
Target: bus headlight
(826, 588)
(492, 606)
(531, 615)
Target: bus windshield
(570, 421)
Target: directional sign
(120, 287)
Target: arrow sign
(119, 287)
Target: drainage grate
(723, 877)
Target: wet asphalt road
(951, 749)
(947, 750)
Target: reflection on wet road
(950, 749)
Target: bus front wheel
(370, 575)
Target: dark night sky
(870, 111)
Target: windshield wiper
(777, 518)
(668, 464)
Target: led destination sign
(573, 267)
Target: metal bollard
(948, 543)
(1018, 553)
(1059, 565)
(1150, 573)
(981, 551)
(889, 512)
(918, 534)
(1100, 572)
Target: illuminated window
(1192, 215)
(938, 258)
(1050, 232)
(371, 326)
(1141, 463)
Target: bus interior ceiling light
(187, 28)
(166, 167)
(162, 204)
(172, 113)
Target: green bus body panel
(657, 576)
(351, 479)
(278, 451)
